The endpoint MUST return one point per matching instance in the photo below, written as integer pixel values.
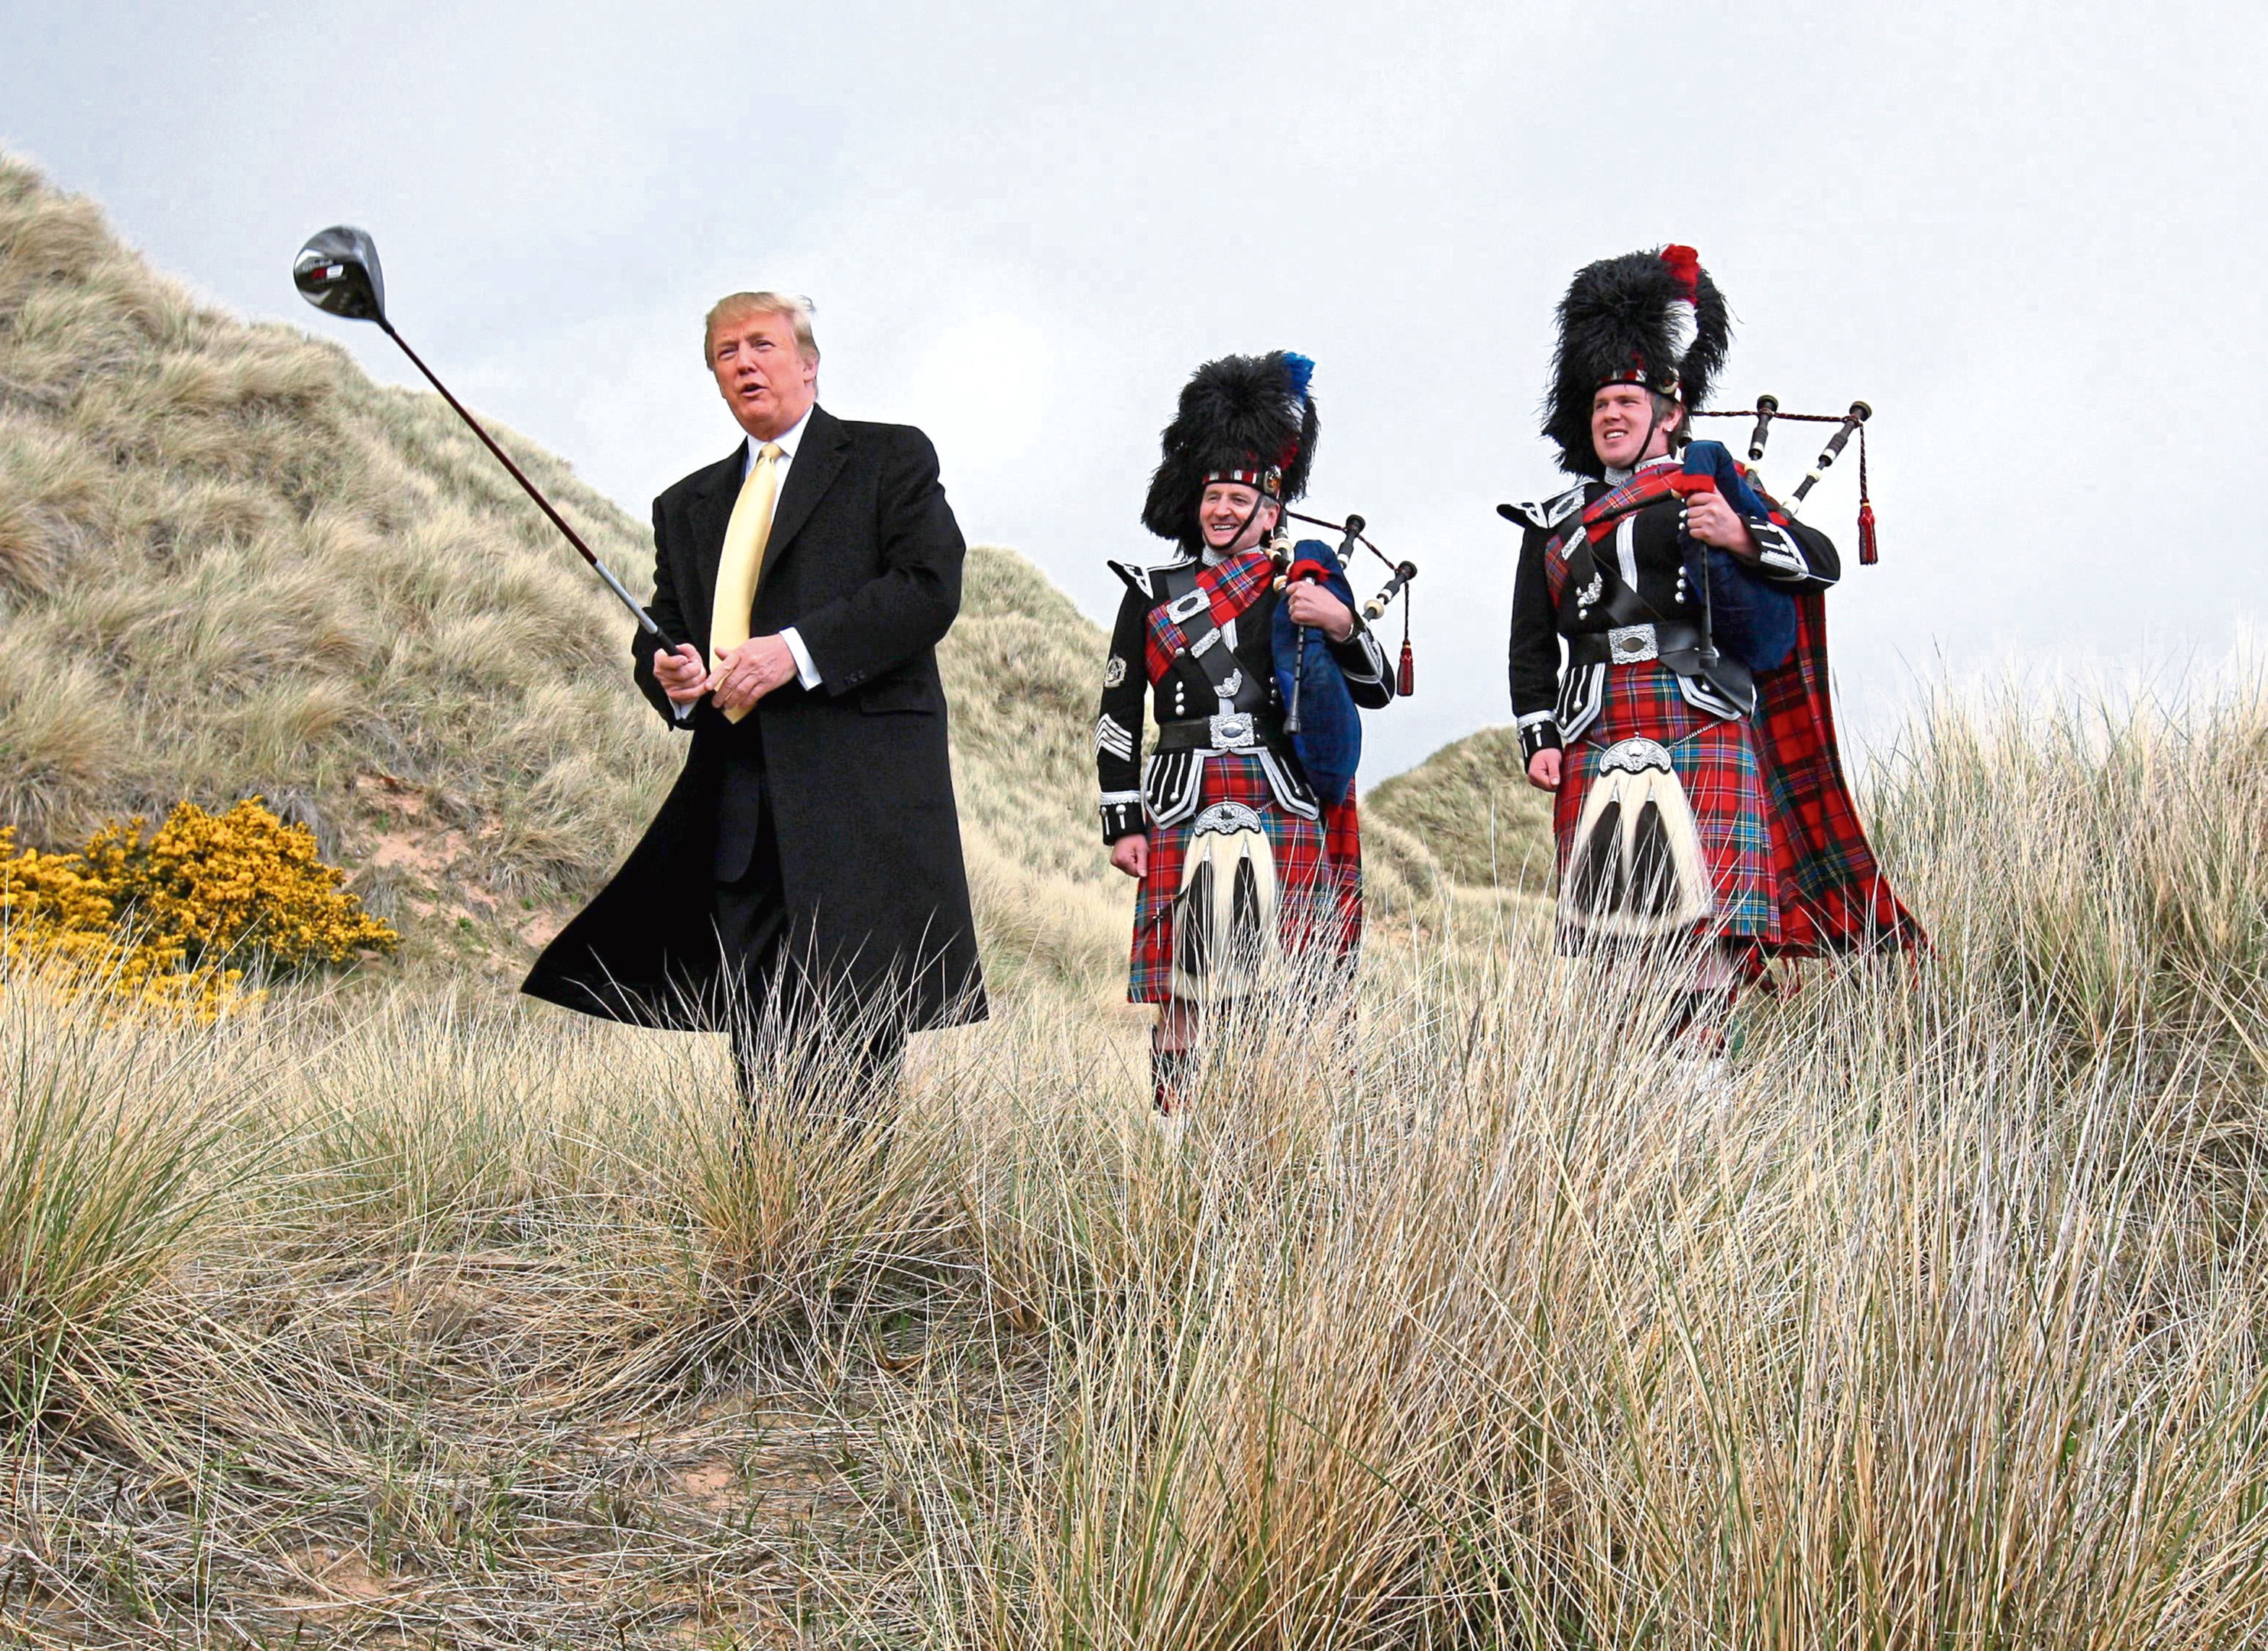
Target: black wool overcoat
(864, 561)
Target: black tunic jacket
(1643, 553)
(865, 562)
(1185, 693)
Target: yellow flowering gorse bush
(179, 915)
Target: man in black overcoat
(807, 861)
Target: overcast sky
(2029, 235)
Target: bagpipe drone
(1752, 617)
(1767, 412)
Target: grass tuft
(114, 1132)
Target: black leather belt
(1231, 731)
(1635, 644)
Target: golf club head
(337, 270)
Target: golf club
(337, 271)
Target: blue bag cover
(1751, 618)
(1329, 739)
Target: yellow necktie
(742, 562)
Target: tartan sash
(1230, 587)
(1601, 514)
(1649, 486)
(1555, 568)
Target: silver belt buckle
(1231, 731)
(1632, 644)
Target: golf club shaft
(637, 610)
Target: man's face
(1222, 514)
(763, 377)
(1622, 421)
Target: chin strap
(1243, 526)
(1653, 429)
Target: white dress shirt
(787, 441)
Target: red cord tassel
(1867, 555)
(1406, 683)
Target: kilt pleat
(1716, 763)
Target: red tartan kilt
(1716, 763)
(1316, 874)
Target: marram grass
(116, 1145)
(1459, 1317)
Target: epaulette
(1143, 581)
(1547, 513)
(1136, 579)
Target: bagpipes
(1754, 618)
(1767, 411)
(1289, 570)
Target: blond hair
(733, 306)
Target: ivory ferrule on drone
(1859, 414)
(1404, 572)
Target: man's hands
(1131, 854)
(1710, 519)
(1543, 770)
(681, 675)
(1312, 605)
(743, 675)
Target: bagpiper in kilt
(1243, 837)
(1687, 730)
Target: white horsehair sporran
(1225, 914)
(1636, 870)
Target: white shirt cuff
(683, 711)
(805, 671)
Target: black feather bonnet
(1242, 418)
(1650, 318)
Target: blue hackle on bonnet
(1302, 369)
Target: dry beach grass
(403, 1317)
(1937, 1322)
